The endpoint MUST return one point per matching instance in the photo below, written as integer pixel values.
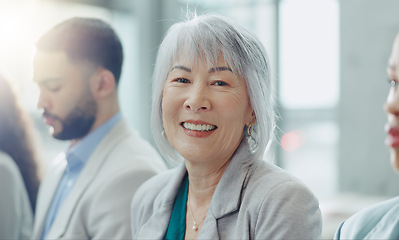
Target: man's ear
(103, 83)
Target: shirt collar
(80, 153)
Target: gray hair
(206, 37)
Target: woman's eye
(220, 83)
(182, 80)
(393, 83)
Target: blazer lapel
(210, 228)
(157, 224)
(89, 172)
(50, 186)
(227, 196)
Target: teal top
(177, 224)
(380, 221)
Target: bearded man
(87, 190)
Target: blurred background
(328, 60)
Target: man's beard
(79, 121)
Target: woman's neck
(203, 180)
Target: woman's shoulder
(380, 220)
(375, 212)
(275, 188)
(270, 187)
(267, 177)
(280, 201)
(8, 167)
(5, 159)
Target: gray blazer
(258, 201)
(98, 205)
(16, 220)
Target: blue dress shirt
(76, 158)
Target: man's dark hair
(86, 39)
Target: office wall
(367, 30)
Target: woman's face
(392, 106)
(204, 111)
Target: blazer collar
(88, 174)
(157, 224)
(227, 196)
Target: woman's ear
(103, 83)
(253, 121)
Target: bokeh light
(292, 141)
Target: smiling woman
(213, 108)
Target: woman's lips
(198, 128)
(392, 140)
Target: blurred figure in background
(381, 221)
(87, 189)
(19, 178)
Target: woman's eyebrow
(216, 69)
(182, 68)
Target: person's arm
(289, 211)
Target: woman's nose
(391, 105)
(197, 100)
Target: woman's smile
(198, 129)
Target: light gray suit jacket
(259, 201)
(98, 205)
(379, 221)
(16, 220)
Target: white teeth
(199, 127)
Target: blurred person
(87, 190)
(213, 107)
(19, 178)
(381, 220)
